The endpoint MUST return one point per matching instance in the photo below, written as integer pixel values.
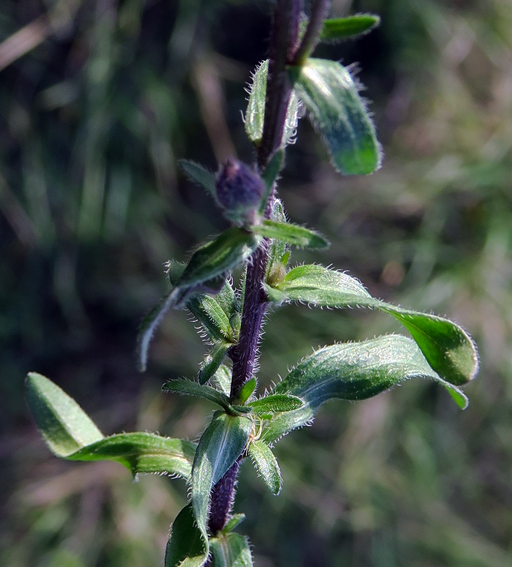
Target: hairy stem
(283, 42)
(310, 39)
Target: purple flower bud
(239, 190)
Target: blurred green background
(98, 101)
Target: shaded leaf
(350, 27)
(200, 175)
(266, 465)
(255, 113)
(187, 545)
(63, 424)
(447, 347)
(189, 388)
(338, 112)
(291, 234)
(247, 390)
(275, 403)
(233, 523)
(223, 441)
(278, 248)
(230, 550)
(213, 360)
(269, 176)
(352, 371)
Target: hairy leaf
(230, 550)
(275, 403)
(64, 425)
(352, 371)
(338, 112)
(233, 523)
(350, 27)
(187, 545)
(222, 380)
(447, 347)
(212, 361)
(223, 441)
(291, 234)
(266, 465)
(200, 175)
(255, 114)
(189, 388)
(247, 390)
(269, 176)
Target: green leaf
(223, 441)
(230, 550)
(200, 175)
(189, 388)
(213, 360)
(187, 545)
(64, 425)
(275, 403)
(350, 27)
(447, 347)
(233, 523)
(228, 250)
(269, 176)
(222, 380)
(255, 114)
(339, 113)
(247, 390)
(291, 234)
(266, 465)
(142, 452)
(353, 371)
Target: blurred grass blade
(350, 27)
(189, 388)
(447, 347)
(212, 361)
(255, 113)
(187, 545)
(266, 465)
(352, 371)
(275, 403)
(221, 444)
(230, 550)
(233, 523)
(200, 175)
(142, 453)
(63, 424)
(291, 234)
(338, 112)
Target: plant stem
(283, 42)
(310, 38)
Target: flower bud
(239, 191)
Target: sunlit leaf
(187, 545)
(230, 550)
(233, 523)
(338, 112)
(352, 371)
(247, 390)
(275, 403)
(221, 380)
(213, 360)
(221, 444)
(255, 114)
(349, 27)
(200, 175)
(291, 234)
(64, 425)
(266, 465)
(447, 347)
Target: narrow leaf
(230, 550)
(353, 371)
(255, 114)
(64, 425)
(269, 176)
(275, 403)
(246, 391)
(447, 347)
(221, 444)
(187, 545)
(266, 465)
(278, 249)
(233, 523)
(350, 27)
(291, 234)
(142, 453)
(338, 112)
(189, 388)
(213, 360)
(222, 380)
(200, 175)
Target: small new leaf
(246, 391)
(338, 112)
(233, 523)
(200, 175)
(348, 28)
(291, 234)
(213, 360)
(266, 465)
